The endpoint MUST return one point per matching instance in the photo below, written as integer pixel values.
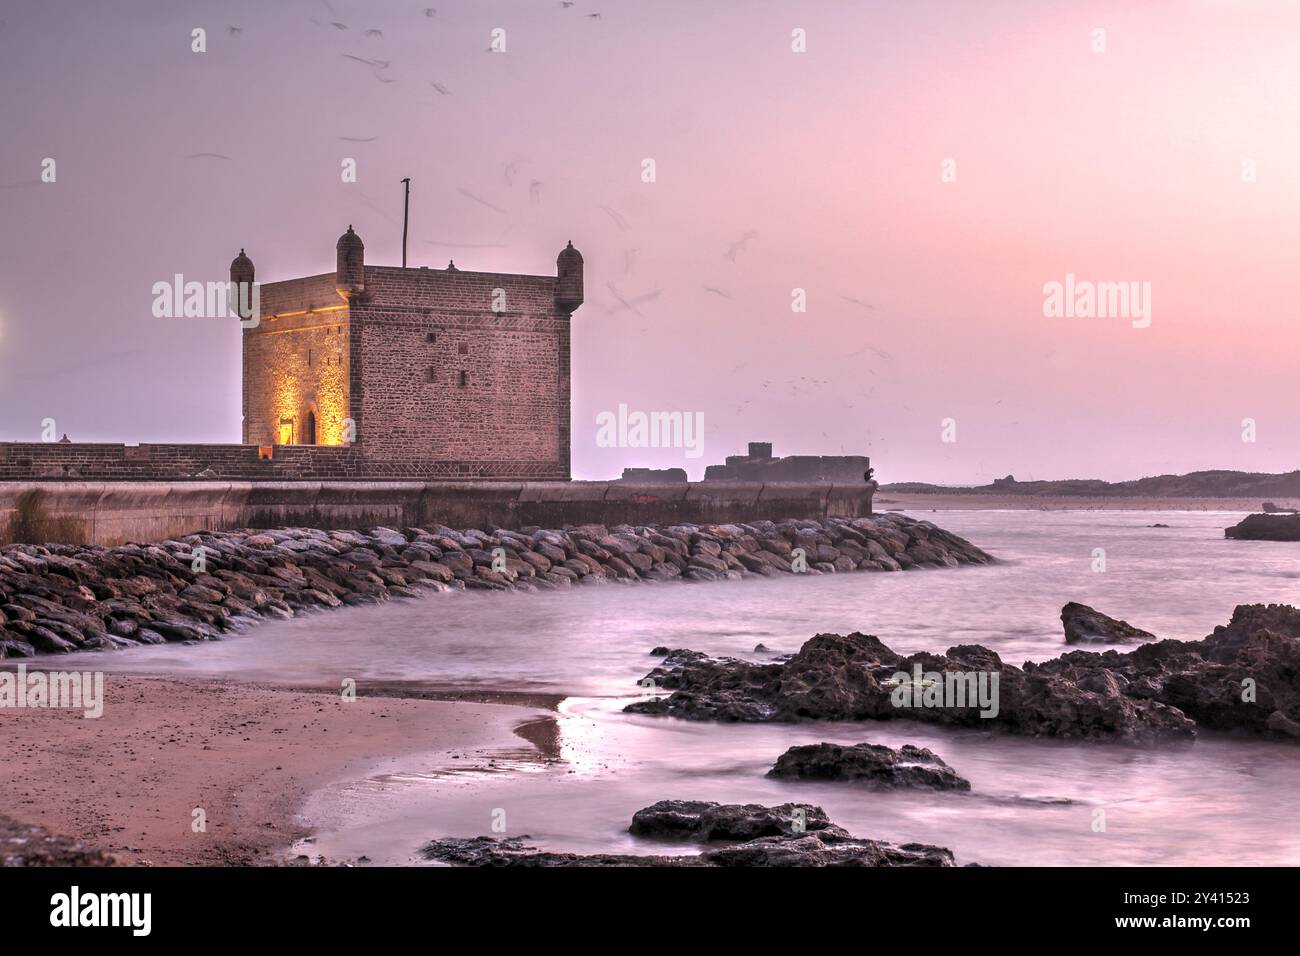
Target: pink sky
(1119, 166)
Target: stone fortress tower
(437, 373)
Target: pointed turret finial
(568, 279)
(350, 268)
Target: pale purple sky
(925, 297)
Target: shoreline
(249, 756)
(887, 502)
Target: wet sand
(128, 782)
(898, 501)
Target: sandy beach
(128, 783)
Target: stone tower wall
(296, 361)
(438, 376)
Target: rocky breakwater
(1245, 677)
(731, 834)
(58, 598)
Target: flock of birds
(622, 302)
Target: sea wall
(90, 461)
(114, 512)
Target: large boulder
(1084, 625)
(872, 764)
(705, 820)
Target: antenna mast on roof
(406, 212)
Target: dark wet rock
(830, 847)
(11, 645)
(1266, 527)
(751, 834)
(1084, 625)
(873, 764)
(514, 852)
(705, 820)
(1244, 677)
(23, 844)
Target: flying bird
(865, 305)
(480, 201)
(709, 288)
(740, 245)
(374, 33)
(879, 353)
(464, 245)
(509, 171)
(430, 12)
(618, 220)
(376, 67)
(234, 31)
(630, 304)
(207, 156)
(358, 139)
(440, 88)
(338, 26)
(535, 191)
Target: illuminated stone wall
(296, 364)
(436, 381)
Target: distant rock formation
(1196, 484)
(1266, 527)
(1271, 509)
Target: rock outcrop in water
(853, 677)
(876, 765)
(1266, 527)
(1244, 677)
(59, 598)
(788, 835)
(1084, 625)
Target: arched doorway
(309, 428)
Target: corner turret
(568, 283)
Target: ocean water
(1218, 801)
